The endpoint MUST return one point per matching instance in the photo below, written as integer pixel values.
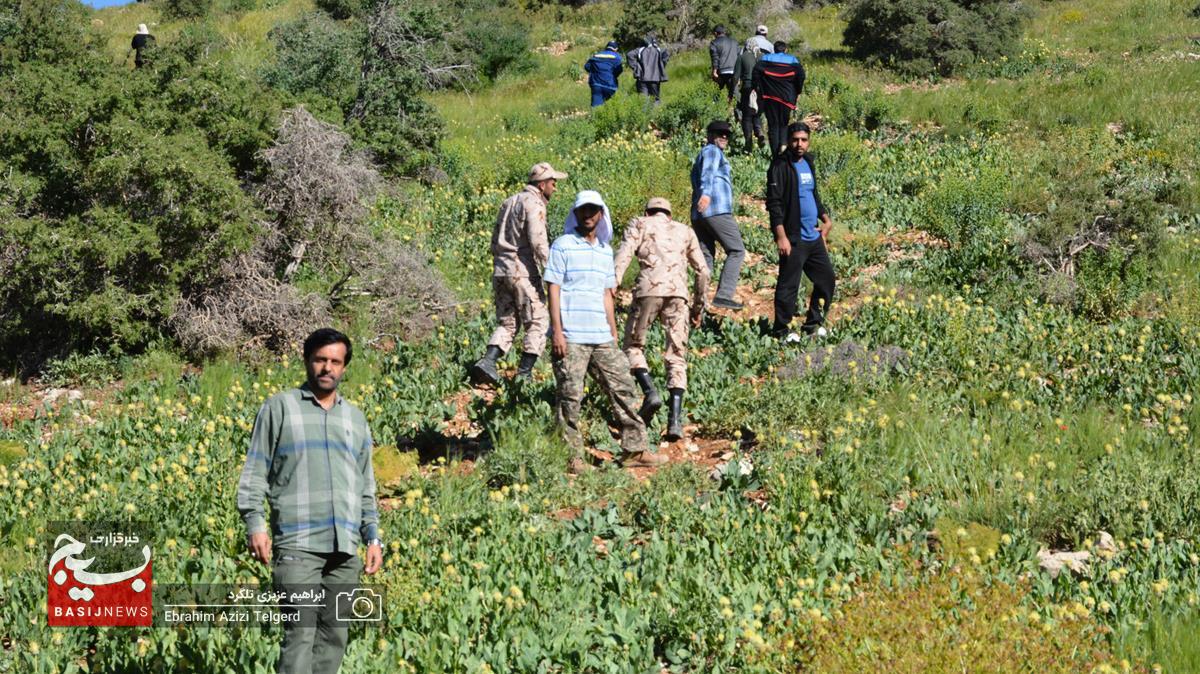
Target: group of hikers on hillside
(761, 75)
(565, 291)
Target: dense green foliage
(924, 37)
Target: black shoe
(651, 401)
(484, 370)
(675, 415)
(525, 367)
(726, 303)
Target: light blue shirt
(712, 175)
(584, 272)
(805, 184)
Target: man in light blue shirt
(712, 212)
(581, 280)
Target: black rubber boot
(484, 369)
(650, 400)
(675, 415)
(525, 367)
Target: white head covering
(142, 29)
(604, 229)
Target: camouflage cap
(544, 171)
(658, 204)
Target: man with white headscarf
(581, 281)
(140, 45)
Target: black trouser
(751, 119)
(778, 117)
(812, 259)
(648, 88)
(725, 81)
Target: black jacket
(779, 77)
(783, 195)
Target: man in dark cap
(603, 69)
(712, 212)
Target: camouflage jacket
(520, 245)
(664, 249)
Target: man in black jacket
(801, 224)
(778, 79)
(722, 52)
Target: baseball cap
(589, 197)
(718, 126)
(659, 204)
(544, 171)
(761, 30)
(719, 30)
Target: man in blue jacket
(603, 70)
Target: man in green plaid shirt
(310, 458)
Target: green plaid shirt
(314, 467)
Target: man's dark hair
(322, 338)
(719, 30)
(798, 126)
(780, 47)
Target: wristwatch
(375, 541)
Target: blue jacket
(603, 70)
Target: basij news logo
(99, 574)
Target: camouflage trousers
(610, 368)
(673, 311)
(520, 304)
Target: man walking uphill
(581, 281)
(800, 223)
(778, 79)
(722, 52)
(664, 250)
(603, 69)
(519, 252)
(649, 65)
(310, 458)
(748, 104)
(712, 212)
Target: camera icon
(359, 605)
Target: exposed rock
(1054, 562)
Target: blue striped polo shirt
(583, 271)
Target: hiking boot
(675, 415)
(577, 466)
(728, 303)
(484, 370)
(650, 400)
(643, 460)
(525, 367)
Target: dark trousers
(751, 119)
(599, 96)
(811, 259)
(778, 117)
(725, 81)
(649, 89)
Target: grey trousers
(722, 228)
(319, 649)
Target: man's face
(587, 217)
(325, 367)
(798, 143)
(720, 139)
(548, 187)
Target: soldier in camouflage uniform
(664, 249)
(519, 250)
(581, 281)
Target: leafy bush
(967, 212)
(187, 9)
(925, 37)
(316, 55)
(499, 43)
(625, 112)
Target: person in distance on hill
(664, 249)
(140, 46)
(649, 64)
(310, 458)
(603, 69)
(581, 281)
(778, 79)
(712, 212)
(748, 105)
(519, 251)
(760, 39)
(801, 224)
(722, 51)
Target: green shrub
(625, 112)
(967, 212)
(316, 55)
(187, 9)
(925, 37)
(499, 42)
(684, 118)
